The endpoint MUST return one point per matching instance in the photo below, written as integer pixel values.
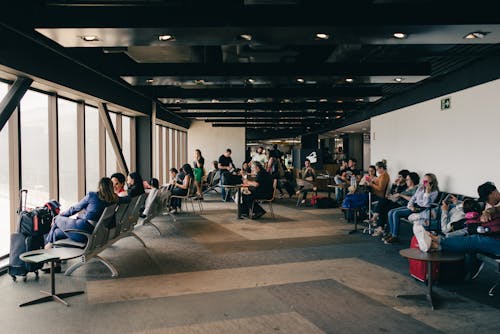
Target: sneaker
(379, 231)
(173, 211)
(475, 273)
(258, 215)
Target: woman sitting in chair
(260, 188)
(89, 210)
(181, 188)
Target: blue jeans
(470, 245)
(61, 224)
(394, 216)
(223, 191)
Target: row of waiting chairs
(116, 222)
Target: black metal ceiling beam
(23, 53)
(208, 93)
(264, 106)
(318, 120)
(213, 15)
(260, 126)
(257, 114)
(273, 69)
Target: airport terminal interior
(93, 88)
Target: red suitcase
(418, 269)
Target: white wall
(460, 145)
(213, 141)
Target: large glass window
(4, 184)
(110, 153)
(91, 148)
(126, 139)
(68, 153)
(35, 147)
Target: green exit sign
(446, 103)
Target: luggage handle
(22, 193)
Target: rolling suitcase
(418, 269)
(21, 243)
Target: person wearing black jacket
(260, 188)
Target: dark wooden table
(429, 258)
(51, 255)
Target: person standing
(198, 171)
(225, 164)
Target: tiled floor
(298, 273)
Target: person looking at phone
(422, 199)
(367, 178)
(489, 194)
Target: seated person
(306, 183)
(367, 178)
(88, 211)
(489, 194)
(172, 177)
(151, 203)
(380, 183)
(118, 180)
(453, 215)
(260, 188)
(400, 183)
(181, 188)
(135, 184)
(396, 200)
(424, 196)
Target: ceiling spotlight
(400, 35)
(359, 99)
(150, 81)
(476, 34)
(165, 38)
(338, 116)
(323, 100)
(90, 38)
(286, 100)
(215, 100)
(349, 80)
(398, 79)
(322, 36)
(250, 100)
(250, 81)
(246, 37)
(340, 101)
(300, 80)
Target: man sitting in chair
(260, 188)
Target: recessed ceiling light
(398, 79)
(165, 38)
(286, 100)
(150, 81)
(90, 38)
(340, 101)
(338, 116)
(359, 99)
(250, 80)
(400, 35)
(246, 37)
(339, 111)
(322, 36)
(476, 34)
(300, 80)
(215, 100)
(250, 100)
(349, 80)
(323, 100)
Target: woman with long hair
(89, 210)
(135, 184)
(119, 181)
(198, 172)
(181, 188)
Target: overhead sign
(446, 103)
